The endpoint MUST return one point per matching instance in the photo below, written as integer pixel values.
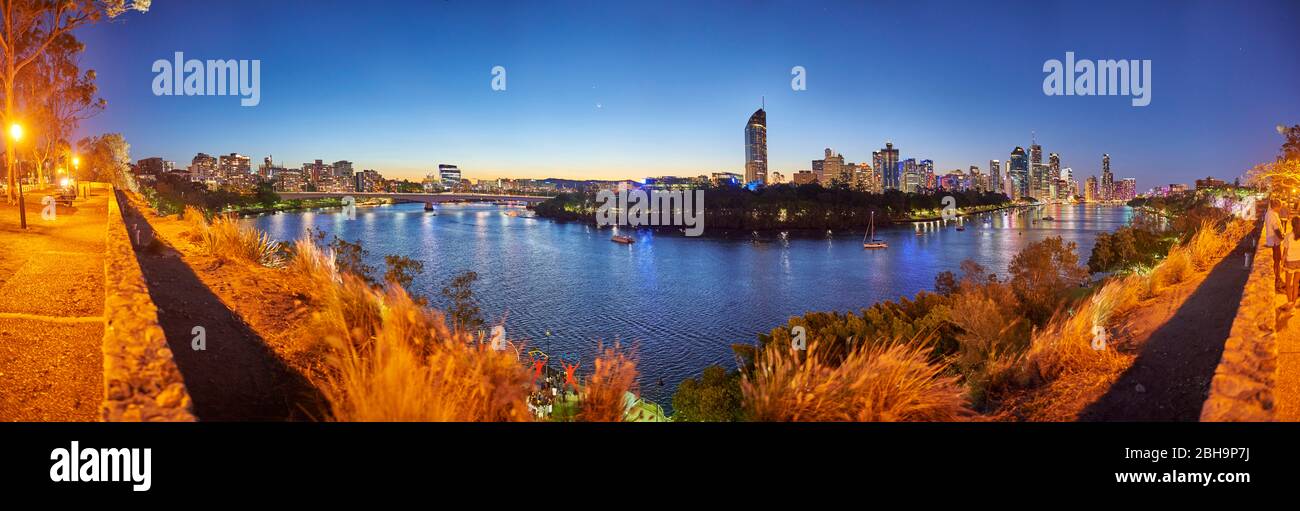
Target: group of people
(1282, 236)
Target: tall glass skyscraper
(1107, 179)
(995, 177)
(887, 164)
(1019, 172)
(756, 148)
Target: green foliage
(787, 206)
(351, 257)
(105, 158)
(1042, 275)
(161, 204)
(401, 270)
(714, 397)
(463, 309)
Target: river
(679, 302)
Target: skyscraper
(1038, 182)
(886, 163)
(756, 148)
(911, 176)
(1019, 173)
(831, 169)
(927, 174)
(1107, 186)
(1127, 189)
(995, 176)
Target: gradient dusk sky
(620, 89)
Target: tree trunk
(11, 146)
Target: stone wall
(1243, 382)
(141, 380)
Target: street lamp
(76, 170)
(16, 135)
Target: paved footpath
(1286, 386)
(51, 311)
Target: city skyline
(574, 110)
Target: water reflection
(682, 302)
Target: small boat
(1048, 219)
(961, 228)
(869, 240)
(619, 238)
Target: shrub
(713, 397)
(390, 358)
(1065, 345)
(886, 382)
(604, 395)
(227, 238)
(1042, 275)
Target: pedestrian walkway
(1286, 386)
(51, 311)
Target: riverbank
(961, 212)
(306, 204)
(790, 208)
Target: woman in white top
(1291, 249)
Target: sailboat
(870, 240)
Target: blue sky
(620, 89)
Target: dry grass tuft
(890, 382)
(224, 237)
(388, 358)
(1174, 269)
(1061, 357)
(603, 398)
(1065, 345)
(1207, 246)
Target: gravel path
(51, 308)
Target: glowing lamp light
(16, 131)
(64, 182)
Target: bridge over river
(429, 198)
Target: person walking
(1273, 240)
(1291, 252)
